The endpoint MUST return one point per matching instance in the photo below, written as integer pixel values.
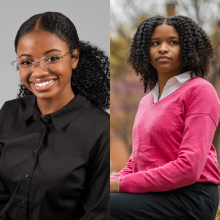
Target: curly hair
(91, 78)
(196, 49)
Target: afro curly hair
(196, 49)
(91, 78)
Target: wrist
(114, 186)
(118, 183)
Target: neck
(163, 77)
(48, 106)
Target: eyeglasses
(26, 66)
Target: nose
(163, 48)
(38, 70)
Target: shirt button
(35, 151)
(26, 175)
(167, 87)
(48, 117)
(23, 201)
(43, 126)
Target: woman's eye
(52, 58)
(25, 62)
(173, 42)
(155, 43)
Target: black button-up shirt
(56, 168)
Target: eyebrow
(157, 38)
(28, 55)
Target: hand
(114, 186)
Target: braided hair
(196, 50)
(91, 78)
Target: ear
(75, 59)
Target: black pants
(195, 202)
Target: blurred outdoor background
(126, 88)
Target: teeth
(44, 83)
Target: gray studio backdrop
(91, 18)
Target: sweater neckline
(173, 93)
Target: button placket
(47, 119)
(25, 186)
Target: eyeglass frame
(34, 63)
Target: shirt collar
(183, 77)
(31, 108)
(63, 116)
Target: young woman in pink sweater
(172, 172)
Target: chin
(44, 96)
(165, 70)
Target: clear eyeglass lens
(24, 66)
(49, 63)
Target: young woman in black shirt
(54, 139)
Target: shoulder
(16, 106)
(200, 89)
(200, 97)
(99, 112)
(199, 84)
(92, 117)
(146, 100)
(98, 117)
(12, 112)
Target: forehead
(164, 31)
(40, 41)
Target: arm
(186, 169)
(127, 170)
(97, 196)
(201, 117)
(114, 180)
(4, 195)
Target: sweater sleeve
(201, 120)
(127, 170)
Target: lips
(163, 58)
(43, 84)
(41, 80)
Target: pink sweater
(172, 141)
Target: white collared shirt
(172, 84)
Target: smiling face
(43, 83)
(165, 50)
